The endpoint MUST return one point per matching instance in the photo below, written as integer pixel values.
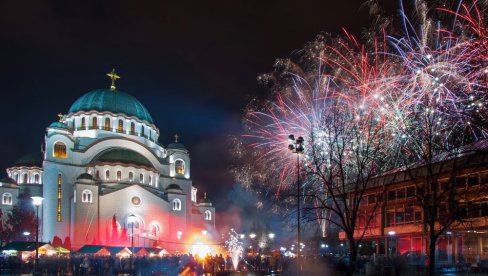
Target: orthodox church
(103, 175)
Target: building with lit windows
(398, 227)
(101, 164)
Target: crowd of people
(187, 264)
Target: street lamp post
(37, 201)
(252, 236)
(132, 219)
(296, 146)
(390, 242)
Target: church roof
(30, 160)
(118, 155)
(114, 101)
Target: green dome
(178, 146)
(114, 101)
(60, 125)
(124, 156)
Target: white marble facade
(102, 164)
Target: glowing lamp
(391, 233)
(37, 200)
(271, 235)
(252, 235)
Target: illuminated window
(87, 196)
(153, 230)
(121, 126)
(208, 215)
(59, 197)
(176, 204)
(132, 128)
(119, 175)
(131, 176)
(83, 123)
(107, 123)
(193, 194)
(7, 199)
(36, 178)
(94, 122)
(107, 175)
(25, 178)
(180, 166)
(141, 178)
(59, 150)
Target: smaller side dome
(173, 188)
(30, 160)
(173, 146)
(59, 125)
(205, 201)
(8, 180)
(176, 145)
(85, 176)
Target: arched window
(176, 204)
(83, 123)
(7, 199)
(141, 178)
(107, 175)
(208, 215)
(97, 174)
(150, 180)
(132, 128)
(153, 230)
(137, 222)
(131, 176)
(119, 175)
(121, 126)
(59, 150)
(94, 122)
(180, 166)
(86, 196)
(25, 178)
(36, 178)
(143, 133)
(107, 123)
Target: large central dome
(114, 101)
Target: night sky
(193, 64)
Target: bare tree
(437, 158)
(346, 152)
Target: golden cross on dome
(176, 138)
(113, 76)
(60, 117)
